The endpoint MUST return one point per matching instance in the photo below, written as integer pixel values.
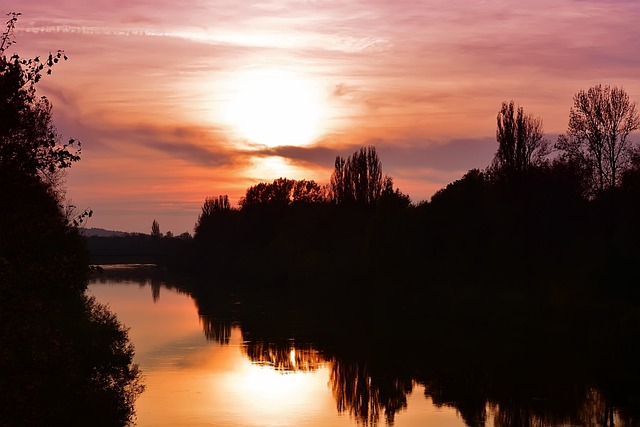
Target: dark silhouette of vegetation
(521, 143)
(213, 205)
(64, 359)
(29, 141)
(358, 179)
(155, 229)
(600, 122)
(136, 248)
(283, 192)
(278, 192)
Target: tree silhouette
(521, 143)
(358, 179)
(29, 141)
(155, 229)
(211, 207)
(366, 396)
(307, 191)
(66, 360)
(600, 122)
(393, 198)
(279, 192)
(283, 192)
(340, 181)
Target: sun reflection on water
(195, 381)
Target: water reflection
(216, 330)
(259, 365)
(193, 381)
(285, 358)
(356, 391)
(139, 274)
(376, 388)
(373, 384)
(364, 395)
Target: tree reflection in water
(371, 379)
(365, 395)
(216, 330)
(374, 389)
(283, 356)
(356, 391)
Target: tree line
(594, 162)
(596, 148)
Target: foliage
(600, 122)
(358, 180)
(29, 141)
(277, 192)
(215, 204)
(155, 229)
(283, 192)
(393, 198)
(521, 143)
(64, 359)
(307, 191)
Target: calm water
(258, 364)
(194, 381)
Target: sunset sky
(176, 101)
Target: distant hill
(101, 232)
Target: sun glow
(275, 108)
(267, 168)
(264, 396)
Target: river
(193, 381)
(199, 371)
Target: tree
(280, 190)
(283, 192)
(358, 180)
(307, 191)
(212, 206)
(155, 229)
(392, 198)
(29, 141)
(521, 143)
(56, 343)
(340, 183)
(600, 122)
(65, 358)
(185, 236)
(276, 192)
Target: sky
(177, 101)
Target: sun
(275, 108)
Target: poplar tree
(358, 180)
(521, 143)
